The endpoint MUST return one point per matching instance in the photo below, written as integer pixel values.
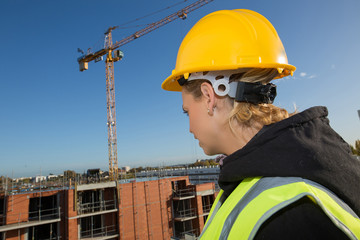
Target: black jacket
(303, 145)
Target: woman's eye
(186, 112)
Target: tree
(26, 180)
(206, 163)
(69, 174)
(356, 150)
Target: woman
(285, 176)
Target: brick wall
(145, 210)
(17, 208)
(204, 187)
(16, 235)
(71, 225)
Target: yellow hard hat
(227, 40)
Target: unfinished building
(160, 209)
(96, 211)
(34, 215)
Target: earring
(208, 110)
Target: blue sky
(53, 117)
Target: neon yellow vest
(257, 199)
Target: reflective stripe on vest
(256, 199)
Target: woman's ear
(209, 96)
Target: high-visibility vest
(256, 199)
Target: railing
(45, 214)
(96, 206)
(181, 235)
(58, 183)
(57, 237)
(186, 192)
(99, 232)
(40, 215)
(185, 213)
(2, 219)
(207, 208)
(34, 233)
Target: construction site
(166, 208)
(50, 119)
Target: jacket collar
(303, 145)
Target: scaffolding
(185, 212)
(43, 208)
(97, 211)
(91, 207)
(184, 193)
(94, 227)
(91, 201)
(207, 202)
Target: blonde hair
(243, 112)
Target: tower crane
(114, 55)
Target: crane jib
(116, 55)
(151, 27)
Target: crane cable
(123, 26)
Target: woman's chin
(208, 152)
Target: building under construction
(166, 208)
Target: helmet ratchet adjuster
(182, 81)
(255, 92)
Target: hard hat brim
(171, 84)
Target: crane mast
(113, 55)
(111, 110)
